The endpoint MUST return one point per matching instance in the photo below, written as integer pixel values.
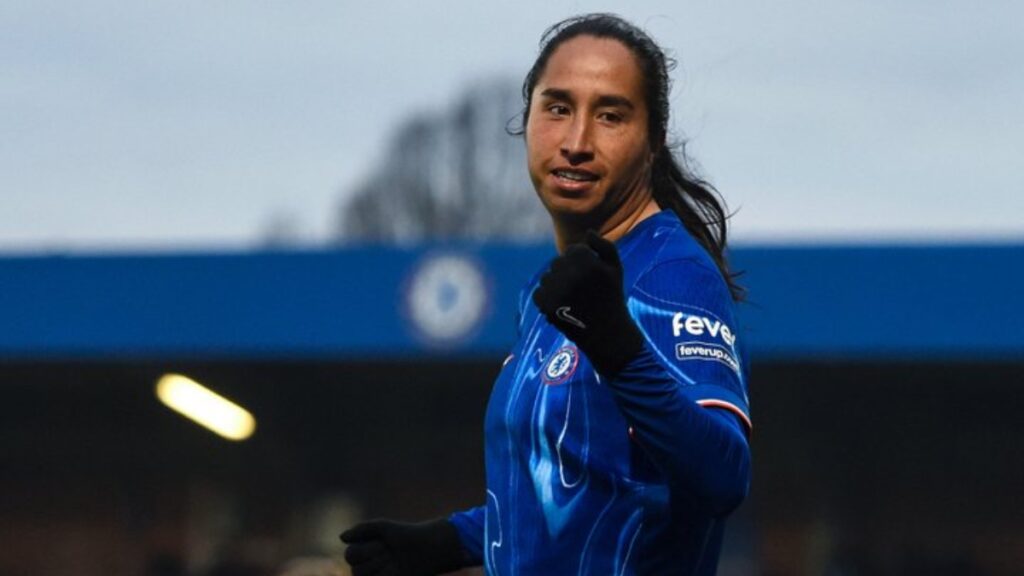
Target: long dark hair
(696, 202)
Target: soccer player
(616, 433)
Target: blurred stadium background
(316, 213)
(886, 395)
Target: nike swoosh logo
(563, 314)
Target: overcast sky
(190, 123)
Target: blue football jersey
(587, 475)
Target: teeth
(573, 175)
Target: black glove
(385, 548)
(581, 295)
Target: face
(586, 137)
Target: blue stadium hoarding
(885, 302)
(837, 302)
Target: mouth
(574, 174)
(573, 178)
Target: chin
(579, 212)
(561, 204)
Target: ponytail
(699, 207)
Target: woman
(616, 433)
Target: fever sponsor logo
(700, 326)
(710, 352)
(707, 339)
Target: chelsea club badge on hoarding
(446, 299)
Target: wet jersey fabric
(587, 475)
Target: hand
(582, 295)
(386, 548)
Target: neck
(568, 233)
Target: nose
(576, 146)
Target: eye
(558, 109)
(610, 117)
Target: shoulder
(684, 307)
(666, 260)
(686, 278)
(677, 294)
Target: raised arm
(669, 355)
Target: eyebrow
(603, 101)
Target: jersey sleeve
(685, 311)
(677, 392)
(470, 526)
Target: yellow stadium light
(204, 406)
